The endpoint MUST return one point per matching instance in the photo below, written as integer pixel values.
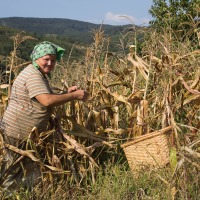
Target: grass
(118, 182)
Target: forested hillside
(75, 31)
(24, 50)
(65, 32)
(57, 26)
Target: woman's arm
(59, 99)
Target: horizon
(67, 19)
(92, 11)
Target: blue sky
(114, 12)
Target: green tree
(179, 15)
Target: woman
(32, 100)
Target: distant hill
(25, 48)
(76, 30)
(64, 32)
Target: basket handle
(147, 136)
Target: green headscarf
(46, 48)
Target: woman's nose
(49, 62)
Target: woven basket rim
(146, 136)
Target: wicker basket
(150, 150)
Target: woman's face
(46, 63)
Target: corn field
(131, 95)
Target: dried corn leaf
(116, 132)
(67, 145)
(56, 169)
(189, 100)
(190, 54)
(28, 153)
(191, 152)
(81, 134)
(135, 95)
(166, 50)
(142, 112)
(195, 164)
(84, 130)
(122, 61)
(56, 162)
(106, 99)
(97, 117)
(117, 96)
(188, 88)
(92, 147)
(22, 65)
(141, 67)
(115, 119)
(144, 64)
(79, 148)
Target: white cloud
(113, 17)
(116, 19)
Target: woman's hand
(78, 93)
(72, 89)
(81, 95)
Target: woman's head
(46, 63)
(44, 56)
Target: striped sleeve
(37, 84)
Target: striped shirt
(24, 111)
